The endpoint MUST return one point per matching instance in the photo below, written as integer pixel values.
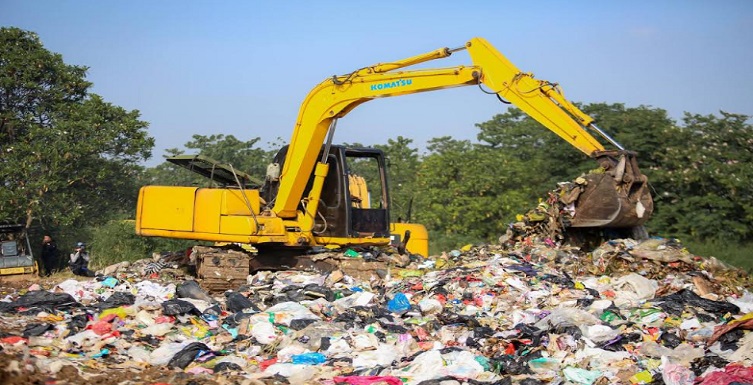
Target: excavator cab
(354, 202)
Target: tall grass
(736, 254)
(117, 241)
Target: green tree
(471, 191)
(402, 166)
(68, 157)
(242, 155)
(704, 182)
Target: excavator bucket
(618, 197)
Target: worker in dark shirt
(79, 261)
(50, 260)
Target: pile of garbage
(528, 311)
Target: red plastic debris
(12, 340)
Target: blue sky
(242, 68)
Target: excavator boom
(618, 194)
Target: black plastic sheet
(38, 300)
(178, 307)
(187, 355)
(118, 299)
(676, 303)
(33, 330)
(236, 302)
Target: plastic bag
(285, 312)
(581, 376)
(632, 289)
(110, 282)
(237, 302)
(567, 316)
(37, 301)
(676, 303)
(309, 359)
(117, 299)
(430, 306)
(191, 289)
(37, 329)
(674, 374)
(226, 366)
(398, 304)
(77, 323)
(157, 330)
(730, 374)
(382, 356)
(187, 355)
(295, 374)
(368, 380)
(138, 354)
(165, 352)
(264, 332)
(120, 312)
(178, 307)
(149, 289)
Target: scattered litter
(529, 311)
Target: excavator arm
(624, 201)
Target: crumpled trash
(179, 307)
(191, 289)
(187, 355)
(36, 301)
(117, 299)
(399, 303)
(37, 329)
(674, 374)
(676, 303)
(732, 374)
(309, 359)
(531, 311)
(581, 376)
(368, 380)
(745, 322)
(237, 302)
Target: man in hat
(79, 262)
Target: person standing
(79, 261)
(49, 255)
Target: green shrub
(116, 241)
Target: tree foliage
(402, 166)
(68, 157)
(244, 156)
(704, 181)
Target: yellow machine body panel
(418, 243)
(222, 215)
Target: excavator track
(221, 268)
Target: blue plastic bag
(399, 303)
(309, 359)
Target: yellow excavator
(318, 194)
